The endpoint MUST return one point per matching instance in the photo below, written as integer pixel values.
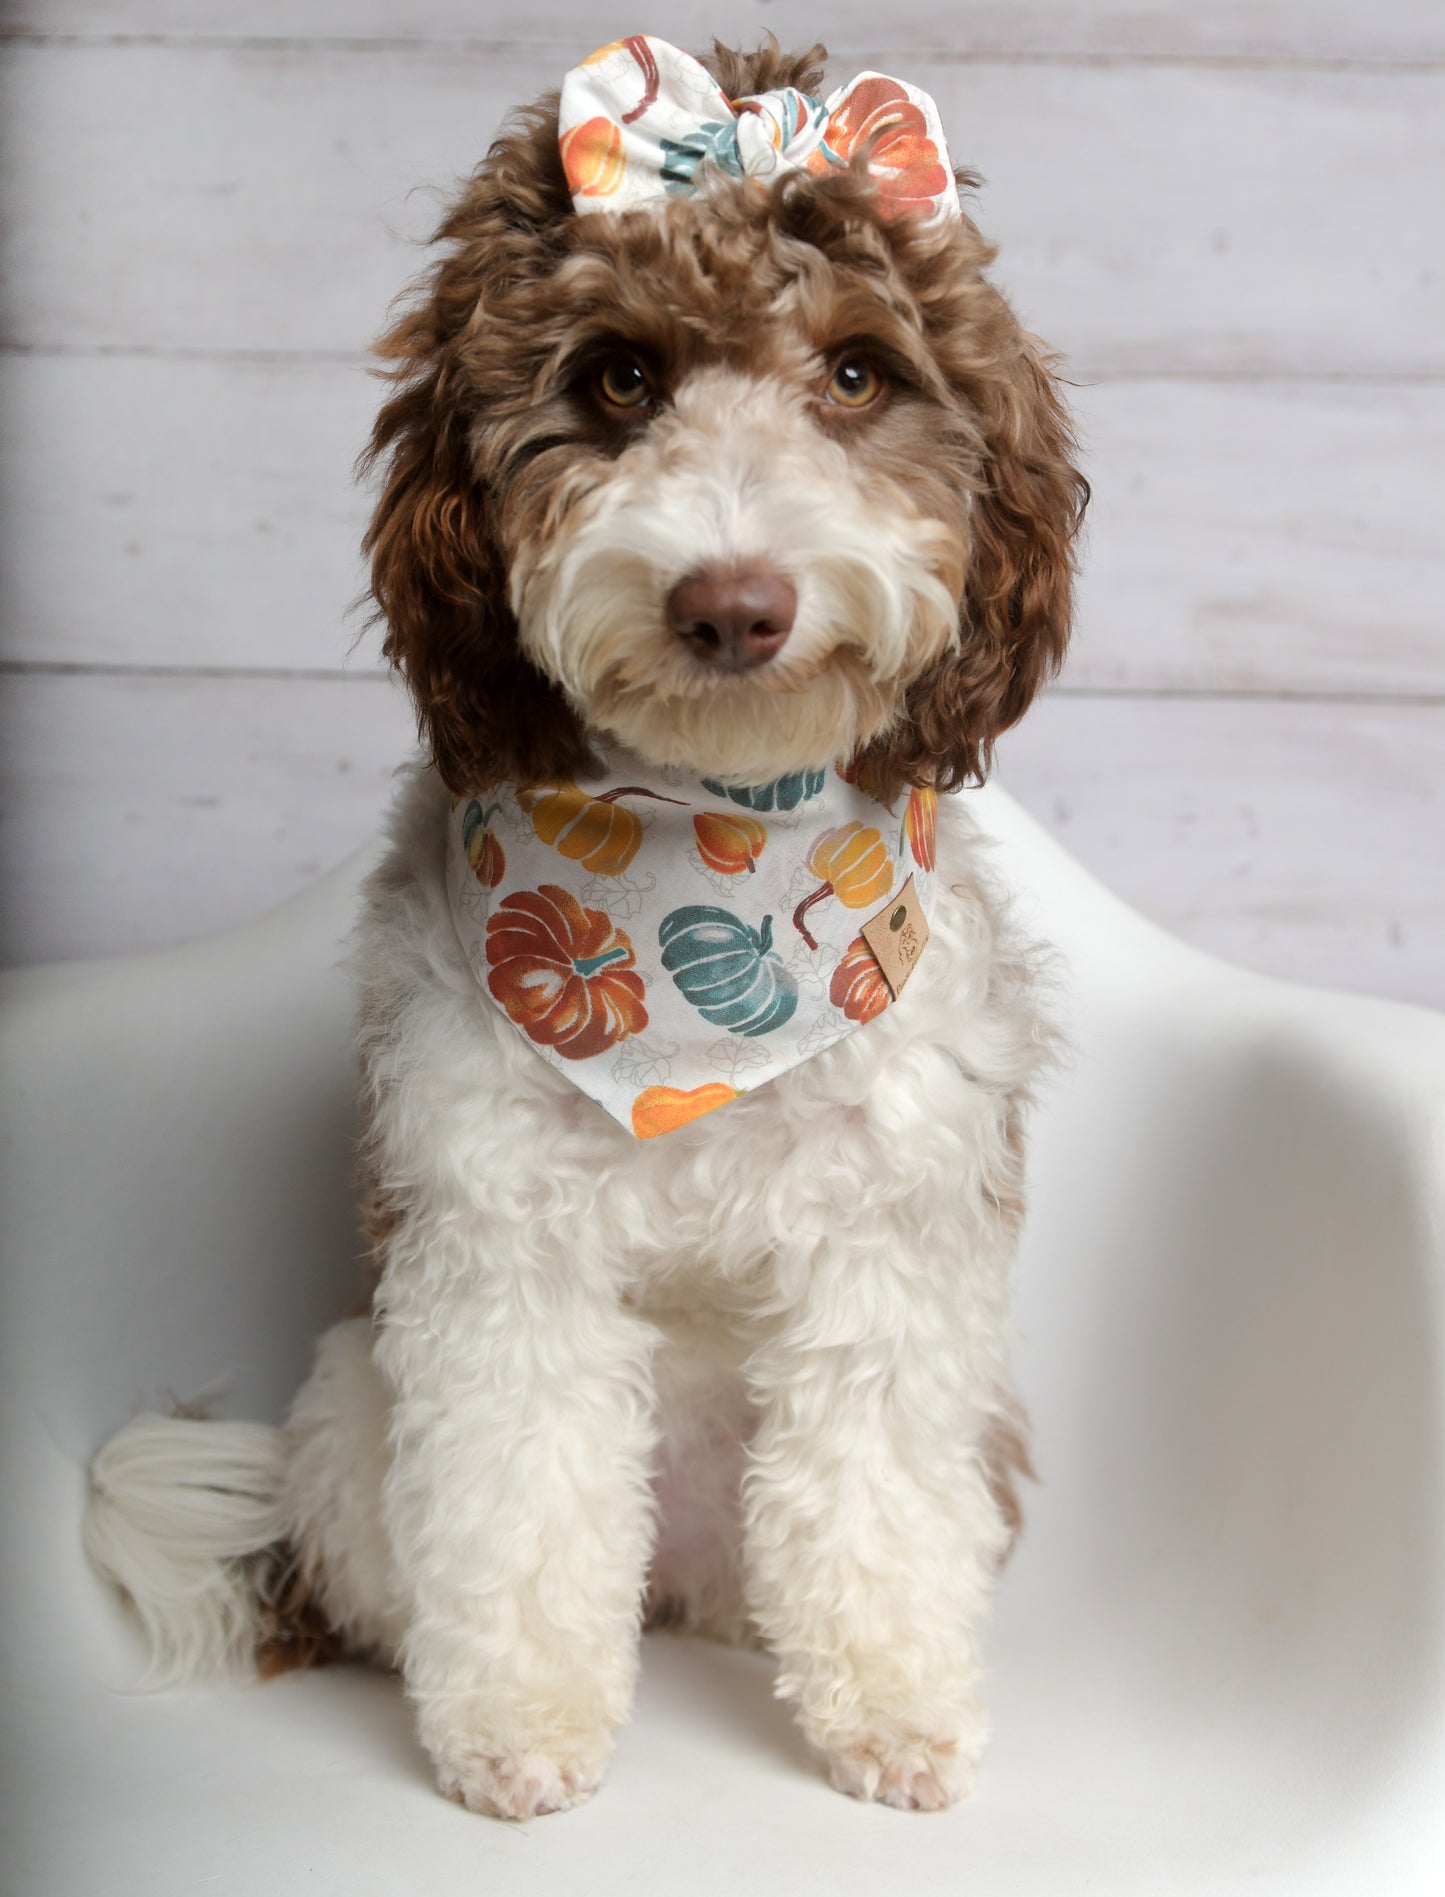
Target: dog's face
(751, 482)
(743, 536)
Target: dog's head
(751, 481)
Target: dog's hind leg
(336, 1463)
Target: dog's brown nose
(733, 616)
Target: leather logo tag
(898, 935)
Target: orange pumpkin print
(565, 975)
(853, 771)
(597, 832)
(487, 859)
(658, 1110)
(858, 986)
(879, 117)
(854, 865)
(920, 826)
(485, 854)
(593, 159)
(729, 841)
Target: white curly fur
(807, 1290)
(746, 1373)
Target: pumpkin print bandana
(638, 119)
(668, 942)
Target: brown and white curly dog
(752, 481)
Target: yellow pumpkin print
(598, 832)
(728, 840)
(658, 1110)
(854, 865)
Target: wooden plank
(1244, 537)
(181, 513)
(137, 811)
(1338, 29)
(1302, 839)
(1263, 537)
(1153, 220)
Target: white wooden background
(1229, 214)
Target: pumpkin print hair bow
(639, 118)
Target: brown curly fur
(488, 439)
(292, 1628)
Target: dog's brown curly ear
(484, 713)
(1018, 598)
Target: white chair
(1219, 1656)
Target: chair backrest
(177, 1151)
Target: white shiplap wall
(1226, 215)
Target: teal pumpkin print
(783, 793)
(681, 157)
(726, 969)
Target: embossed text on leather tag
(898, 935)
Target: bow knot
(639, 118)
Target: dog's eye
(623, 383)
(854, 384)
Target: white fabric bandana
(638, 118)
(669, 943)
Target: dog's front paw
(527, 1785)
(912, 1774)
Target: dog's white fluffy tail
(179, 1511)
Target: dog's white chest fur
(872, 1135)
(688, 1339)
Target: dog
(726, 518)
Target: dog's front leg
(872, 1532)
(518, 1504)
